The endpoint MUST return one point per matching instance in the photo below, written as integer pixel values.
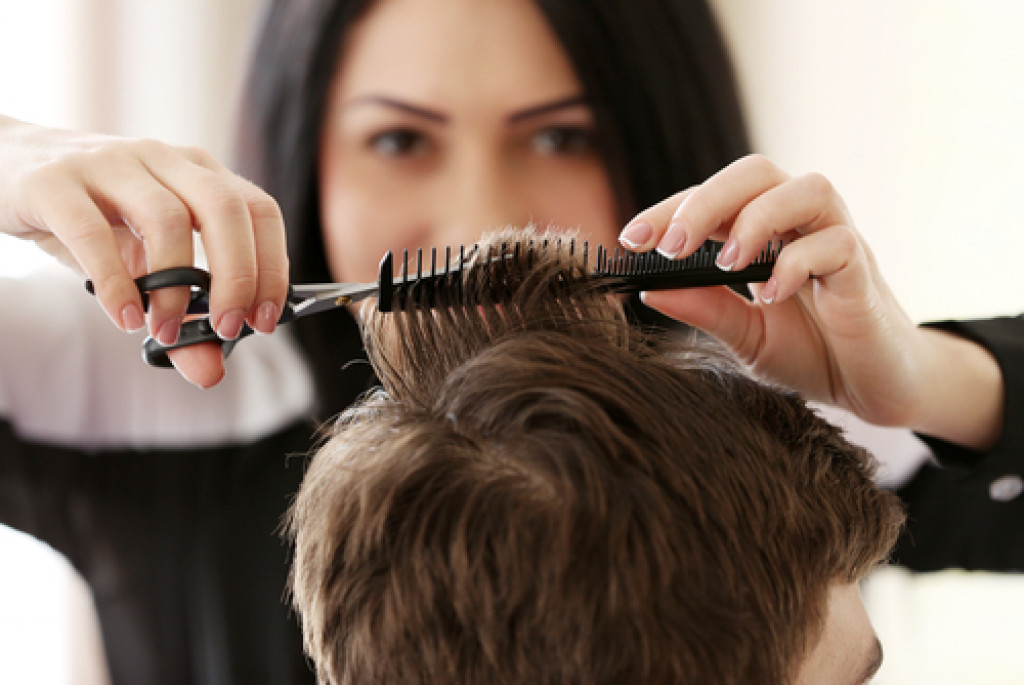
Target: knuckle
(273, 278)
(761, 164)
(793, 266)
(850, 239)
(818, 185)
(136, 149)
(844, 241)
(145, 147)
(242, 286)
(264, 209)
(49, 177)
(114, 289)
(224, 200)
(695, 208)
(786, 262)
(159, 211)
(199, 156)
(756, 217)
(86, 235)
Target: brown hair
(540, 493)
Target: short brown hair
(543, 494)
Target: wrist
(960, 391)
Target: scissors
(303, 300)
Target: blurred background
(913, 109)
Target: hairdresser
(167, 497)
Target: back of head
(540, 494)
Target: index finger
(646, 229)
(87, 234)
(707, 210)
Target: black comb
(618, 271)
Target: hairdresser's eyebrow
(546, 108)
(873, 664)
(402, 106)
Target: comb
(616, 271)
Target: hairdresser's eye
(397, 143)
(564, 140)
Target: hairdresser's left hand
(826, 323)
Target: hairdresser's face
(448, 118)
(847, 652)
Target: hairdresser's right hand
(117, 208)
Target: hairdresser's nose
(484, 194)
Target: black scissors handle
(176, 277)
(192, 332)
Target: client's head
(541, 493)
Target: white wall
(165, 69)
(915, 110)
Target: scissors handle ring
(175, 277)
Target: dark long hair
(655, 71)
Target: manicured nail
(673, 242)
(266, 317)
(230, 325)
(770, 290)
(132, 318)
(169, 331)
(636, 235)
(727, 257)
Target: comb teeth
(618, 270)
(632, 271)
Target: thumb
(718, 311)
(202, 365)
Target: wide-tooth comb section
(444, 284)
(424, 288)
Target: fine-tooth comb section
(446, 284)
(633, 271)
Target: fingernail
(770, 290)
(266, 317)
(727, 257)
(673, 242)
(169, 331)
(132, 318)
(230, 325)
(636, 234)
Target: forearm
(961, 391)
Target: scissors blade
(319, 297)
